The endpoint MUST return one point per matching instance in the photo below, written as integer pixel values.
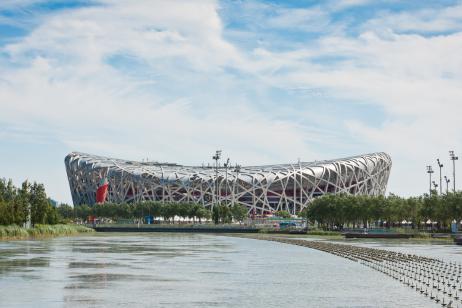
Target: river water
(195, 270)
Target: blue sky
(265, 81)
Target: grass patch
(16, 232)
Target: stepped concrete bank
(439, 281)
(378, 235)
(458, 240)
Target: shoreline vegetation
(428, 213)
(326, 216)
(14, 232)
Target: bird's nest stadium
(264, 189)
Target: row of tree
(338, 211)
(166, 210)
(29, 203)
(224, 214)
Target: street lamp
(430, 171)
(163, 185)
(226, 178)
(453, 158)
(216, 157)
(447, 183)
(440, 165)
(237, 169)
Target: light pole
(216, 157)
(447, 183)
(237, 169)
(430, 171)
(453, 158)
(163, 185)
(440, 165)
(226, 178)
(435, 186)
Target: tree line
(26, 203)
(168, 211)
(342, 210)
(18, 205)
(29, 202)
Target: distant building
(264, 189)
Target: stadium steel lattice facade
(262, 188)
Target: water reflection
(23, 264)
(182, 270)
(91, 265)
(23, 257)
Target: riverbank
(338, 237)
(13, 232)
(176, 229)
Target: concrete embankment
(185, 229)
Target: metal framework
(263, 189)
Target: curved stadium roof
(265, 188)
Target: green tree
(65, 211)
(239, 212)
(412, 210)
(6, 216)
(168, 211)
(7, 190)
(20, 205)
(193, 211)
(123, 210)
(83, 211)
(225, 214)
(52, 216)
(203, 213)
(183, 210)
(216, 214)
(282, 214)
(154, 208)
(39, 204)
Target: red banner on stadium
(101, 192)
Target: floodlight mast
(216, 157)
(447, 183)
(440, 165)
(237, 169)
(453, 157)
(226, 179)
(430, 171)
(435, 186)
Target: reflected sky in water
(194, 270)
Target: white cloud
(344, 4)
(414, 78)
(447, 19)
(310, 20)
(63, 82)
(193, 91)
